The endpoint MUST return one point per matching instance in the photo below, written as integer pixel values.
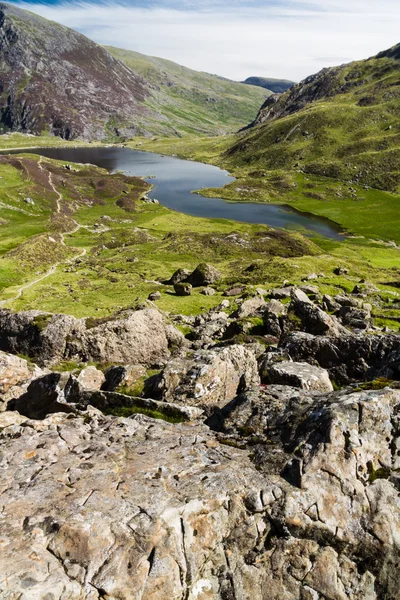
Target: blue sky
(236, 38)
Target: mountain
(55, 80)
(342, 123)
(277, 86)
(190, 101)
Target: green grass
(129, 411)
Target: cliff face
(81, 91)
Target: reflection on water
(174, 179)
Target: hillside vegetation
(330, 145)
(192, 102)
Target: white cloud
(291, 39)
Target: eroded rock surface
(139, 337)
(208, 378)
(115, 508)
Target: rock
(179, 276)
(91, 378)
(236, 291)
(314, 514)
(347, 358)
(301, 375)
(364, 289)
(204, 274)
(208, 378)
(45, 396)
(87, 526)
(41, 336)
(124, 376)
(140, 338)
(110, 401)
(272, 318)
(341, 271)
(347, 301)
(208, 328)
(313, 319)
(328, 303)
(208, 291)
(13, 371)
(154, 296)
(137, 338)
(311, 277)
(15, 375)
(338, 491)
(355, 317)
(281, 293)
(250, 308)
(183, 289)
(176, 339)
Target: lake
(174, 179)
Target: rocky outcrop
(87, 527)
(301, 375)
(91, 508)
(347, 358)
(139, 337)
(15, 376)
(208, 378)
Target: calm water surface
(174, 179)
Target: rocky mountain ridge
(55, 80)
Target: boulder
(123, 375)
(154, 296)
(41, 336)
(281, 293)
(356, 318)
(13, 371)
(313, 319)
(272, 317)
(300, 375)
(15, 376)
(253, 307)
(91, 378)
(183, 289)
(204, 274)
(347, 358)
(137, 337)
(208, 378)
(179, 276)
(208, 291)
(236, 291)
(46, 395)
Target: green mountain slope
(343, 123)
(277, 86)
(56, 81)
(188, 101)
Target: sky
(288, 39)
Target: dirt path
(54, 267)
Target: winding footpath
(54, 267)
